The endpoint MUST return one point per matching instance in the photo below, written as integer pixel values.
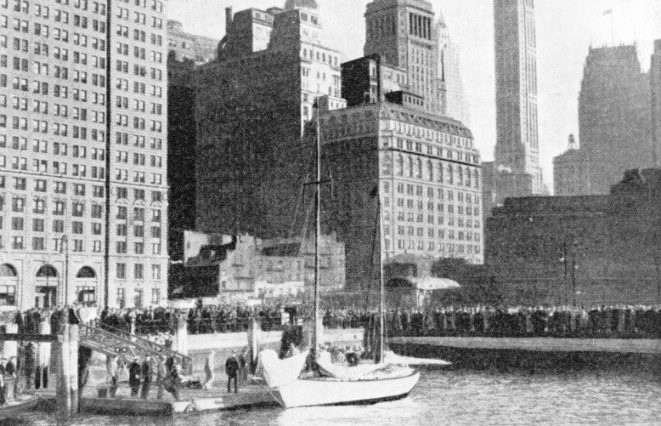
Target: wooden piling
(67, 397)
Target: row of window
(433, 233)
(59, 207)
(39, 244)
(440, 192)
(59, 148)
(431, 219)
(137, 297)
(39, 225)
(431, 206)
(58, 168)
(55, 128)
(41, 185)
(59, 91)
(431, 246)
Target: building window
(121, 271)
(155, 296)
(155, 272)
(139, 271)
(121, 297)
(137, 298)
(7, 295)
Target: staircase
(117, 342)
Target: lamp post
(64, 246)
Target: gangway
(111, 341)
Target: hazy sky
(565, 30)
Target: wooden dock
(541, 344)
(191, 402)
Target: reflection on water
(460, 398)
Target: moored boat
(322, 382)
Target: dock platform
(191, 402)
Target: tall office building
(517, 145)
(252, 103)
(404, 34)
(614, 116)
(427, 172)
(83, 192)
(655, 84)
(449, 74)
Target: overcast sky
(565, 30)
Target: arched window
(460, 176)
(47, 271)
(409, 166)
(418, 168)
(6, 270)
(86, 272)
(468, 177)
(400, 165)
(450, 174)
(477, 179)
(430, 170)
(440, 172)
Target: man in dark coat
(135, 371)
(232, 370)
(147, 376)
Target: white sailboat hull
(332, 391)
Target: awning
(424, 283)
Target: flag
(608, 12)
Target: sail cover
(279, 372)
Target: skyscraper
(252, 103)
(614, 116)
(403, 33)
(83, 191)
(449, 73)
(517, 145)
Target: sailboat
(326, 383)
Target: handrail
(141, 343)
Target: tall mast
(317, 234)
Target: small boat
(19, 405)
(325, 383)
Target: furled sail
(279, 372)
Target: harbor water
(458, 398)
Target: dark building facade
(655, 84)
(182, 138)
(599, 249)
(252, 103)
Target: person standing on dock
(162, 373)
(147, 376)
(232, 370)
(135, 371)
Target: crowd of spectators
(617, 321)
(538, 321)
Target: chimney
(228, 18)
